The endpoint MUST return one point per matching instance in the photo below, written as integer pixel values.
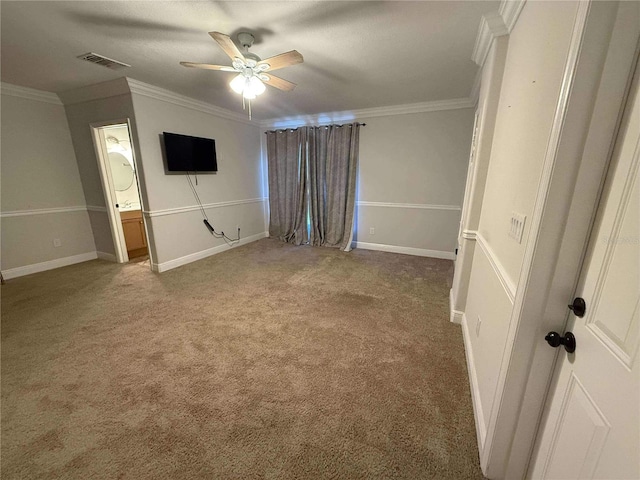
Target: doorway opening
(116, 161)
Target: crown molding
(351, 115)
(158, 93)
(126, 86)
(510, 11)
(111, 88)
(491, 26)
(29, 93)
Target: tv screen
(190, 154)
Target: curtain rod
(317, 126)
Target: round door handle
(578, 307)
(568, 340)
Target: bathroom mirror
(121, 171)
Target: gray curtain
(312, 175)
(287, 185)
(333, 166)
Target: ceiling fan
(252, 72)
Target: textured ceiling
(357, 54)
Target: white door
(591, 425)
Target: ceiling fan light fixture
(256, 86)
(238, 83)
(248, 94)
(250, 78)
(248, 86)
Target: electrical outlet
(57, 242)
(478, 325)
(372, 231)
(516, 226)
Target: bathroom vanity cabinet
(134, 233)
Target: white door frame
(578, 150)
(117, 233)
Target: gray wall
(39, 172)
(80, 116)
(416, 163)
(234, 194)
(411, 175)
(411, 178)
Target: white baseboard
(420, 252)
(481, 429)
(50, 265)
(455, 316)
(178, 262)
(109, 257)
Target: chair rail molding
(96, 208)
(43, 211)
(507, 283)
(191, 208)
(423, 206)
(470, 235)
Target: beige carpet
(266, 361)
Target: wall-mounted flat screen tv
(190, 154)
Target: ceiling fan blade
(278, 82)
(227, 45)
(208, 66)
(283, 60)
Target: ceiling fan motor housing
(251, 56)
(246, 39)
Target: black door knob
(578, 307)
(555, 340)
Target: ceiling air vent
(102, 60)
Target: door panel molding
(577, 398)
(623, 347)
